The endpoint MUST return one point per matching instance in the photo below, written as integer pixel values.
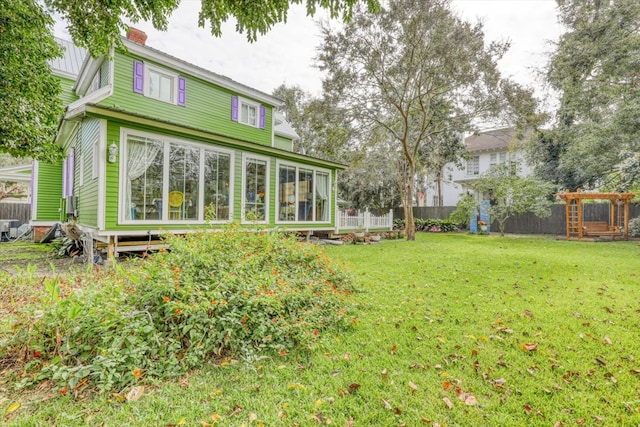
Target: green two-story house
(155, 144)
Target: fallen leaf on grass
(135, 393)
(319, 418)
(413, 387)
(387, 405)
(529, 346)
(253, 417)
(470, 400)
(353, 387)
(635, 371)
(13, 407)
(384, 373)
(447, 402)
(446, 385)
(607, 340)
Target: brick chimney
(136, 35)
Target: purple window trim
(182, 92)
(70, 172)
(263, 113)
(234, 108)
(65, 185)
(138, 77)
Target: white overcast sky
(285, 54)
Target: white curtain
(141, 153)
(322, 191)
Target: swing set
(617, 226)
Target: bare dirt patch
(17, 257)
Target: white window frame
(473, 166)
(95, 158)
(249, 104)
(267, 206)
(315, 170)
(148, 70)
(166, 144)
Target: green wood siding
(208, 107)
(67, 95)
(282, 143)
(49, 187)
(87, 194)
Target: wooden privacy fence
(528, 223)
(18, 211)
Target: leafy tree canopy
(595, 68)
(98, 24)
(29, 93)
(511, 194)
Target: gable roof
(498, 139)
(70, 63)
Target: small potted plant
(482, 225)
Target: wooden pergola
(577, 228)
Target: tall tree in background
(29, 103)
(595, 67)
(321, 126)
(29, 93)
(416, 71)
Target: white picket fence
(362, 220)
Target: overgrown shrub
(214, 295)
(634, 227)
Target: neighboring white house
(484, 150)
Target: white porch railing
(348, 220)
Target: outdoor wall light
(113, 152)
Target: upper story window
(160, 85)
(157, 83)
(473, 166)
(248, 112)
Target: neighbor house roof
(282, 127)
(497, 139)
(70, 63)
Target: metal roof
(70, 63)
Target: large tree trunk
(407, 201)
(439, 185)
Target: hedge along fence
(528, 223)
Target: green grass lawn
(452, 329)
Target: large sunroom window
(217, 176)
(255, 206)
(145, 162)
(303, 194)
(169, 180)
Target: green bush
(214, 295)
(464, 208)
(634, 227)
(434, 225)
